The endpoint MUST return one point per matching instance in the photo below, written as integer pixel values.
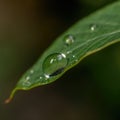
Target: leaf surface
(86, 37)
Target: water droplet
(75, 59)
(73, 56)
(27, 78)
(69, 39)
(93, 27)
(26, 82)
(31, 71)
(54, 64)
(47, 76)
(68, 52)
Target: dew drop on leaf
(68, 52)
(27, 78)
(93, 27)
(69, 39)
(27, 81)
(31, 71)
(54, 64)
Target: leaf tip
(10, 97)
(8, 100)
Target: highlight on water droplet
(93, 27)
(69, 39)
(54, 64)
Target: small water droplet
(69, 39)
(54, 64)
(47, 76)
(68, 52)
(93, 27)
(73, 56)
(26, 81)
(76, 60)
(31, 71)
(27, 78)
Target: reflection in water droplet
(54, 64)
(93, 27)
(69, 39)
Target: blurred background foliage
(90, 91)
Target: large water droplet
(54, 64)
(69, 39)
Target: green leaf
(86, 37)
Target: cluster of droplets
(55, 63)
(27, 81)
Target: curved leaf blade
(89, 35)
